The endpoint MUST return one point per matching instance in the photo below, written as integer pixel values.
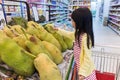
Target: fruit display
(15, 57)
(59, 37)
(9, 32)
(26, 50)
(42, 34)
(47, 69)
(68, 37)
(54, 51)
(36, 49)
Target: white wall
(93, 5)
(105, 10)
(97, 8)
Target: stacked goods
(47, 69)
(55, 52)
(59, 37)
(15, 57)
(25, 49)
(41, 33)
(64, 37)
(36, 47)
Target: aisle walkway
(104, 35)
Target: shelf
(46, 22)
(114, 18)
(13, 12)
(115, 30)
(54, 9)
(11, 3)
(114, 9)
(115, 23)
(115, 5)
(114, 14)
(39, 3)
(53, 13)
(80, 5)
(59, 9)
(59, 13)
(54, 17)
(63, 13)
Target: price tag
(2, 18)
(35, 13)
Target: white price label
(35, 13)
(2, 18)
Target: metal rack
(27, 8)
(53, 12)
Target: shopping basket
(107, 62)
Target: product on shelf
(114, 16)
(14, 9)
(41, 19)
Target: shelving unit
(57, 11)
(74, 4)
(80, 3)
(114, 16)
(13, 9)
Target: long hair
(83, 20)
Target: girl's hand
(81, 77)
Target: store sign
(2, 18)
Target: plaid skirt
(75, 75)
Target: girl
(84, 40)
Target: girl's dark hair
(83, 20)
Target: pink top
(77, 52)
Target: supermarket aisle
(107, 55)
(104, 35)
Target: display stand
(65, 68)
